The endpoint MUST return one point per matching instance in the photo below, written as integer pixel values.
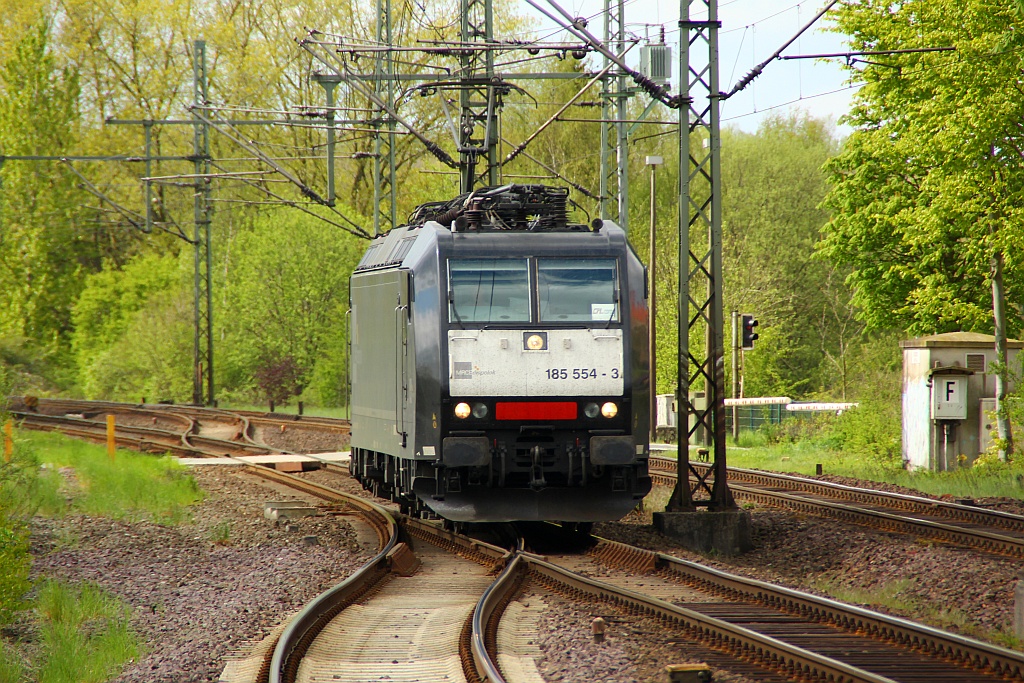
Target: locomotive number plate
(495, 363)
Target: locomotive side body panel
(379, 362)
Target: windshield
(489, 290)
(577, 290)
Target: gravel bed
(300, 439)
(949, 587)
(195, 600)
(635, 649)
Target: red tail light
(535, 410)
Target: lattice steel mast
(203, 337)
(700, 262)
(384, 136)
(615, 95)
(479, 98)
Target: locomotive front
(498, 362)
(543, 409)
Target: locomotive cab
(521, 387)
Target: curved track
(781, 632)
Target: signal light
(747, 324)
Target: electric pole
(700, 263)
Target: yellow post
(8, 440)
(111, 439)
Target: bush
(16, 562)
(872, 430)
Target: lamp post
(653, 162)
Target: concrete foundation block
(725, 533)
(287, 509)
(1018, 610)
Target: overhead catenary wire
(301, 206)
(233, 135)
(137, 220)
(759, 69)
(578, 28)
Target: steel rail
(717, 634)
(978, 539)
(303, 629)
(952, 647)
(486, 617)
(967, 513)
(282, 661)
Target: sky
(751, 31)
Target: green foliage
(772, 186)
(924, 192)
(293, 309)
(12, 668)
(113, 297)
(16, 479)
(14, 558)
(133, 331)
(84, 633)
(41, 262)
(872, 431)
(82, 478)
(221, 534)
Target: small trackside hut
(498, 364)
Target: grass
(893, 595)
(221, 534)
(12, 668)
(79, 477)
(984, 480)
(81, 634)
(339, 413)
(84, 634)
(897, 597)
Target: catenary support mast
(700, 258)
(203, 337)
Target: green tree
(772, 186)
(925, 195)
(45, 239)
(285, 298)
(133, 330)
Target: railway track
(784, 634)
(946, 522)
(765, 632)
(143, 426)
(966, 525)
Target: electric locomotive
(498, 362)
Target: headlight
(535, 342)
(609, 410)
(479, 411)
(591, 410)
(462, 411)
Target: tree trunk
(1003, 428)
